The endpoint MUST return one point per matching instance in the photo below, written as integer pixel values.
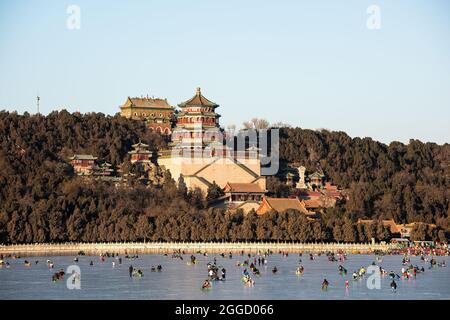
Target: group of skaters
(115, 256)
(418, 249)
(250, 268)
(408, 270)
(137, 273)
(356, 275)
(215, 273)
(58, 275)
(4, 263)
(262, 260)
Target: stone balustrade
(188, 247)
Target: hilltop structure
(314, 181)
(104, 169)
(197, 125)
(140, 153)
(314, 189)
(156, 112)
(198, 152)
(83, 164)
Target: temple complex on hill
(157, 113)
(198, 153)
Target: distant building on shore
(397, 230)
(243, 196)
(282, 204)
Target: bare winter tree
(280, 125)
(247, 125)
(256, 123)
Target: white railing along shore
(188, 247)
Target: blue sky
(313, 64)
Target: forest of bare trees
(41, 200)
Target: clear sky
(313, 64)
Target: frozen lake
(178, 280)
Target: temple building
(104, 169)
(317, 180)
(240, 192)
(157, 113)
(197, 124)
(198, 152)
(83, 164)
(397, 230)
(318, 199)
(140, 153)
(244, 196)
(283, 204)
(290, 179)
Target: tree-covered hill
(407, 183)
(41, 200)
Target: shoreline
(189, 247)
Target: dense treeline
(407, 183)
(42, 201)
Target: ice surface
(178, 280)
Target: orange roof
(393, 227)
(243, 188)
(312, 204)
(310, 194)
(397, 228)
(155, 103)
(334, 194)
(283, 204)
(413, 224)
(198, 100)
(83, 157)
(330, 187)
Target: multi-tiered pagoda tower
(197, 124)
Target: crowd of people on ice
(250, 267)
